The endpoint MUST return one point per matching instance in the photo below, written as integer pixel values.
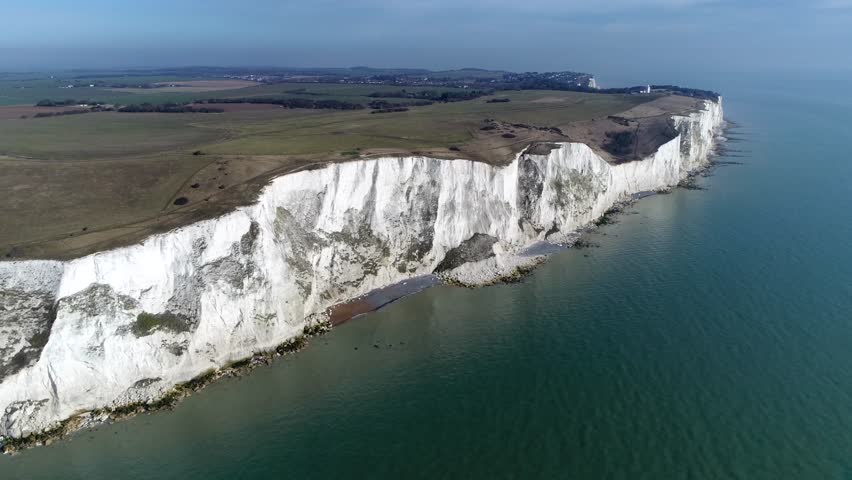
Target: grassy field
(23, 91)
(29, 92)
(58, 200)
(277, 131)
(99, 135)
(87, 182)
(438, 126)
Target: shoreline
(378, 298)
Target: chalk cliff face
(126, 325)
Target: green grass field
(86, 182)
(29, 92)
(294, 131)
(101, 135)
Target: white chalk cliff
(126, 325)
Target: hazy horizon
(659, 38)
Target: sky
(647, 37)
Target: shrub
(620, 143)
(146, 323)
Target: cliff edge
(126, 325)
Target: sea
(705, 335)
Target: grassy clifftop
(81, 183)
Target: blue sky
(589, 35)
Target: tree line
(59, 114)
(390, 110)
(433, 95)
(291, 103)
(384, 104)
(66, 103)
(167, 108)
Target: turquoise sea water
(709, 336)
